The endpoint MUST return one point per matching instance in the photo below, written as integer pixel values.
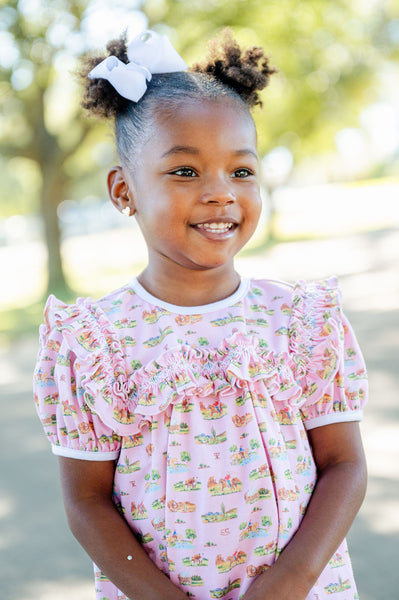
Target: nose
(218, 190)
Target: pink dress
(204, 411)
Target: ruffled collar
(188, 371)
(118, 396)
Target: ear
(119, 190)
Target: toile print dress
(205, 412)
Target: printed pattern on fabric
(205, 415)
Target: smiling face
(194, 188)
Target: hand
(277, 584)
(338, 494)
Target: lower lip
(215, 236)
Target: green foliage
(328, 54)
(41, 123)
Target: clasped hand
(277, 584)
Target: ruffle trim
(316, 335)
(302, 375)
(176, 374)
(89, 335)
(184, 371)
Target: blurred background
(329, 148)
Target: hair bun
(246, 71)
(100, 97)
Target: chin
(212, 266)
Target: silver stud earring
(126, 211)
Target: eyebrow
(193, 150)
(246, 151)
(181, 150)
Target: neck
(187, 287)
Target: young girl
(206, 424)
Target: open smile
(216, 227)
(216, 230)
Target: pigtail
(230, 72)
(99, 97)
(246, 71)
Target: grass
(19, 322)
(16, 323)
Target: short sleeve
(329, 364)
(73, 428)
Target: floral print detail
(213, 469)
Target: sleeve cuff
(83, 454)
(335, 417)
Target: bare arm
(104, 534)
(337, 497)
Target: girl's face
(194, 188)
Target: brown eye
(242, 173)
(185, 172)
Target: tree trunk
(53, 192)
(270, 228)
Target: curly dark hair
(229, 71)
(100, 97)
(247, 72)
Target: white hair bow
(148, 53)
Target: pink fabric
(205, 415)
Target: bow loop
(155, 52)
(149, 53)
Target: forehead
(212, 123)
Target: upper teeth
(216, 226)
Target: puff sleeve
(69, 348)
(328, 363)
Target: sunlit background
(329, 149)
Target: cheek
(257, 201)
(255, 207)
(159, 220)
